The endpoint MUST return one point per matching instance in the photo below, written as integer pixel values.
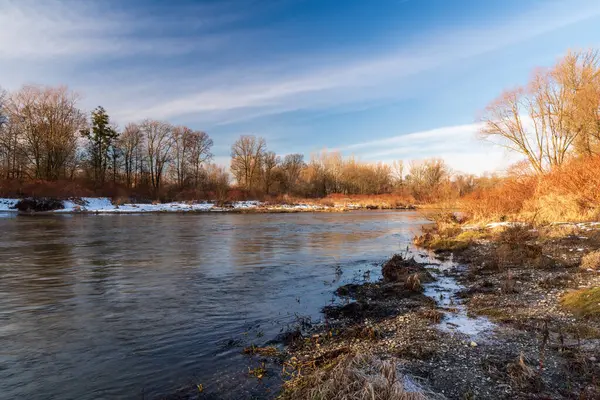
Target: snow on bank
(8, 204)
(104, 205)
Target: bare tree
(181, 148)
(398, 173)
(10, 148)
(292, 167)
(130, 144)
(543, 119)
(3, 116)
(246, 158)
(579, 73)
(270, 162)
(426, 178)
(200, 145)
(158, 141)
(48, 122)
(217, 182)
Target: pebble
(473, 344)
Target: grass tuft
(350, 377)
(591, 261)
(584, 302)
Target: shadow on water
(116, 306)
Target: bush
(39, 205)
(500, 202)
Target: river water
(137, 306)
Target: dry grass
(517, 247)
(447, 235)
(591, 261)
(381, 201)
(570, 192)
(584, 302)
(350, 377)
(500, 202)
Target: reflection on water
(125, 306)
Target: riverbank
(104, 205)
(508, 314)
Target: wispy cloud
(55, 30)
(350, 78)
(458, 145)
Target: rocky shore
(518, 339)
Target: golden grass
(583, 302)
(569, 193)
(351, 377)
(591, 260)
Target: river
(137, 306)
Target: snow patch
(7, 205)
(104, 205)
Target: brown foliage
(501, 201)
(570, 192)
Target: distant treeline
(47, 141)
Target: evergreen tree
(101, 138)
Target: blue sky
(382, 79)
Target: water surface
(137, 306)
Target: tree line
(257, 169)
(44, 136)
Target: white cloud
(69, 33)
(457, 145)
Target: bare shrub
(570, 192)
(413, 283)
